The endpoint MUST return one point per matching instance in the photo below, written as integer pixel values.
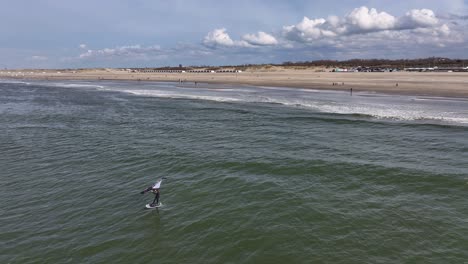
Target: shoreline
(441, 84)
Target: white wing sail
(157, 185)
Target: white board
(148, 206)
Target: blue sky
(140, 33)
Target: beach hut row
(231, 71)
(161, 71)
(189, 71)
(438, 69)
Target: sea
(253, 174)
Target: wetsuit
(156, 197)
(155, 190)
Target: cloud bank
(362, 32)
(122, 51)
(359, 21)
(416, 25)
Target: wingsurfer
(155, 190)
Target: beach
(444, 84)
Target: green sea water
(254, 175)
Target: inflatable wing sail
(157, 185)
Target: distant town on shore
(432, 64)
(354, 65)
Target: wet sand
(447, 84)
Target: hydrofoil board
(148, 206)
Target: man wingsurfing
(155, 190)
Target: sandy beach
(448, 84)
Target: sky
(156, 33)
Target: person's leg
(156, 198)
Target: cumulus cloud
(308, 30)
(220, 38)
(260, 39)
(361, 20)
(415, 18)
(363, 32)
(122, 51)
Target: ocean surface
(254, 175)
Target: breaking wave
(371, 105)
(399, 108)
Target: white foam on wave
(52, 84)
(14, 82)
(336, 102)
(77, 85)
(378, 111)
(382, 107)
(460, 120)
(169, 94)
(56, 84)
(398, 112)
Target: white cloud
(123, 51)
(219, 37)
(441, 31)
(368, 32)
(363, 32)
(361, 20)
(418, 18)
(39, 58)
(444, 30)
(308, 30)
(260, 39)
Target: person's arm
(146, 190)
